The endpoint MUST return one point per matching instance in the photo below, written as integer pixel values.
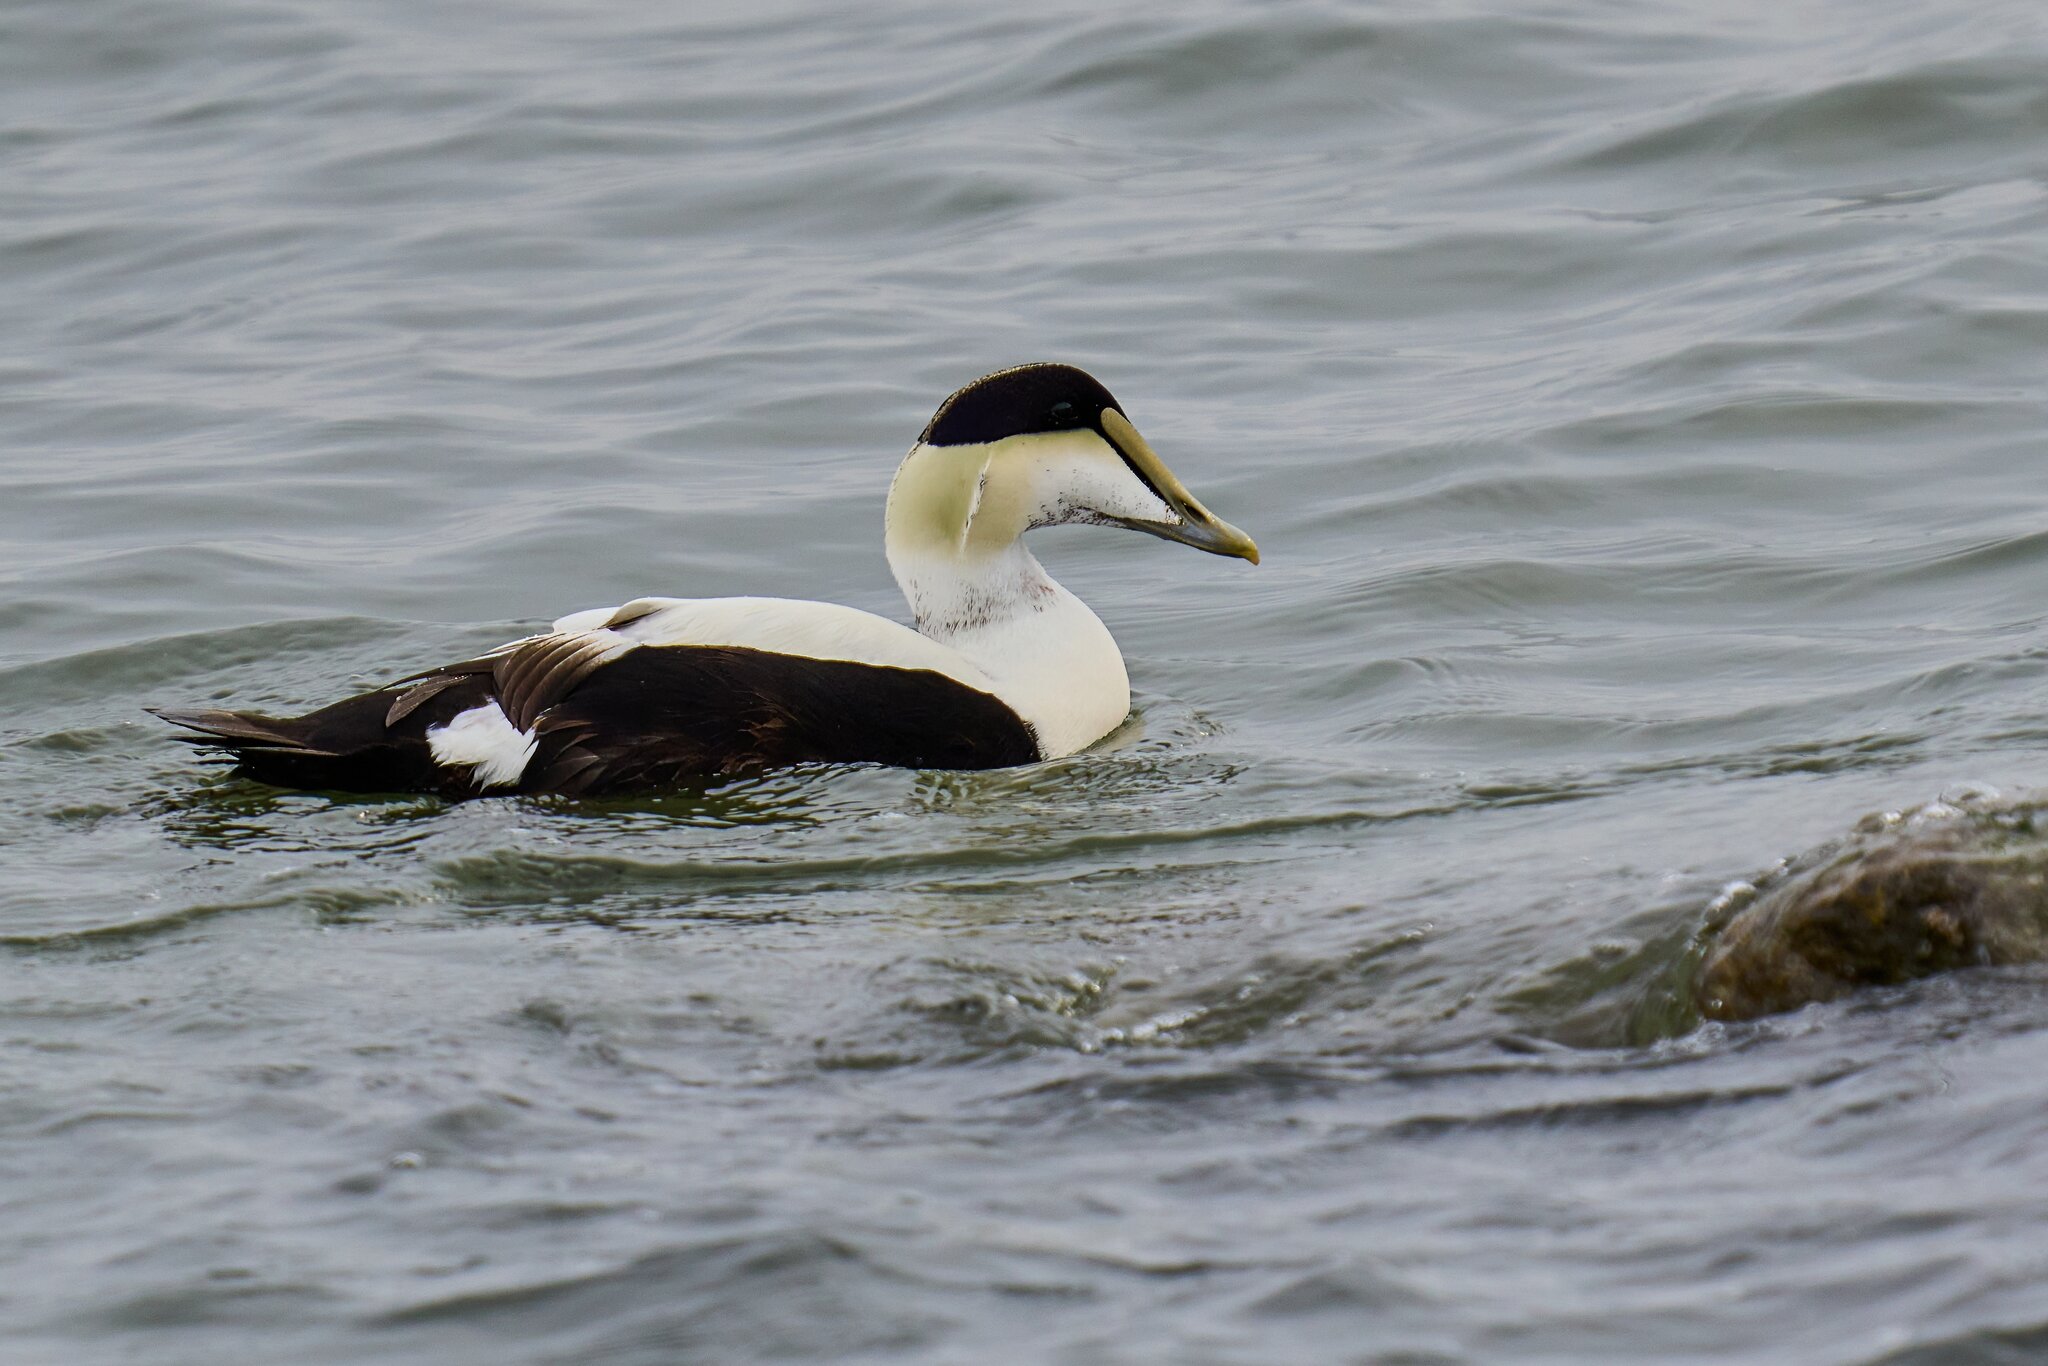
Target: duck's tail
(373, 742)
(239, 730)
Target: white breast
(1057, 666)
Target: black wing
(661, 714)
(614, 718)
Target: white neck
(1051, 658)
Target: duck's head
(1040, 445)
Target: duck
(1003, 667)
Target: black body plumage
(648, 720)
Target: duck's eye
(1061, 413)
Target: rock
(1934, 890)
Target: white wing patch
(482, 739)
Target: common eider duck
(1005, 667)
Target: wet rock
(1934, 890)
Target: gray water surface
(1640, 409)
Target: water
(1639, 408)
